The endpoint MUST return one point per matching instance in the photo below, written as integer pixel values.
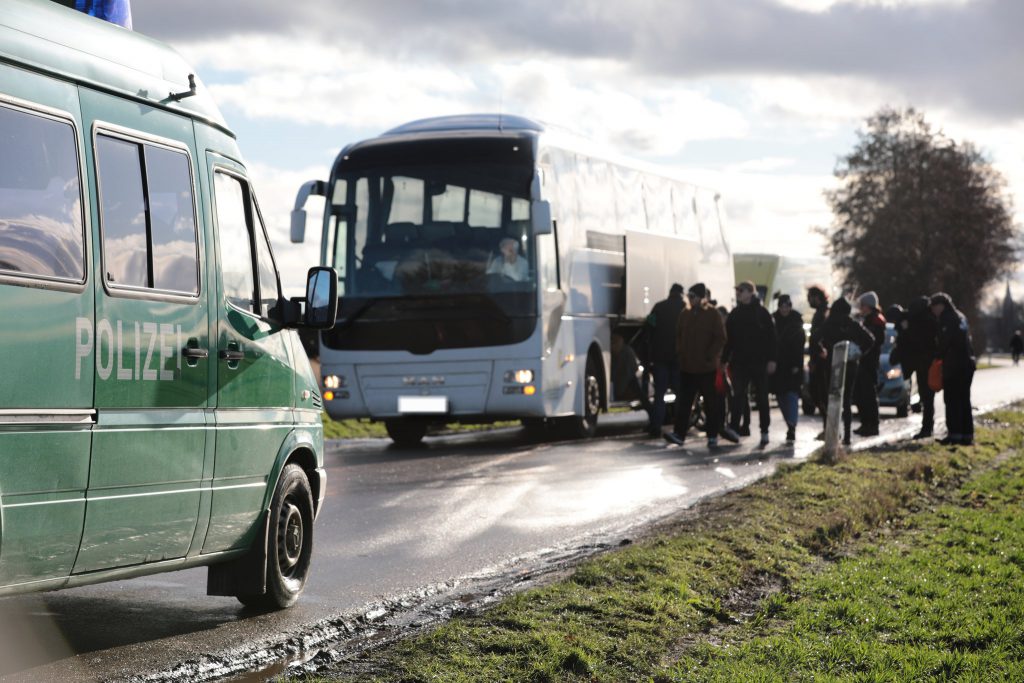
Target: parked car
(894, 389)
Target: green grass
(365, 429)
(891, 565)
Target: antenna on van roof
(178, 96)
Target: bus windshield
(415, 227)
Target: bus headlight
(519, 376)
(333, 382)
(894, 373)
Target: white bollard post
(834, 421)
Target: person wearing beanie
(750, 354)
(789, 373)
(956, 352)
(866, 387)
(839, 326)
(661, 328)
(700, 339)
(817, 369)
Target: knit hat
(675, 289)
(785, 300)
(699, 291)
(869, 299)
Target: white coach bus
(484, 262)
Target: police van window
(269, 293)
(235, 250)
(147, 216)
(173, 220)
(41, 232)
(123, 206)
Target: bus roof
(44, 36)
(498, 123)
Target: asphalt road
(398, 521)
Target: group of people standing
(696, 349)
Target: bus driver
(509, 264)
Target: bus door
(46, 312)
(255, 380)
(151, 338)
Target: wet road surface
(398, 521)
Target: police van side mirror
(321, 298)
(313, 187)
(540, 217)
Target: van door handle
(231, 355)
(197, 354)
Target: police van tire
(406, 433)
(289, 542)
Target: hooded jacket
(662, 322)
(954, 341)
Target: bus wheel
(289, 542)
(406, 433)
(585, 426)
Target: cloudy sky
(756, 98)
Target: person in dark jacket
(661, 324)
(1016, 346)
(915, 350)
(866, 389)
(700, 339)
(750, 352)
(789, 371)
(955, 350)
(839, 326)
(817, 368)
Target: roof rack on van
(47, 37)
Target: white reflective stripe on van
(36, 416)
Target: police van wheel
(406, 433)
(289, 542)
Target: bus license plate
(423, 405)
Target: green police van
(157, 410)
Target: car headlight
(894, 373)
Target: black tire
(585, 426)
(535, 427)
(289, 542)
(902, 410)
(406, 433)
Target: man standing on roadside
(699, 343)
(916, 347)
(662, 324)
(866, 389)
(817, 365)
(750, 355)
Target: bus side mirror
(540, 217)
(321, 298)
(313, 187)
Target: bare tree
(917, 212)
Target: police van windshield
(432, 228)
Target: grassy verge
(891, 565)
(365, 429)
